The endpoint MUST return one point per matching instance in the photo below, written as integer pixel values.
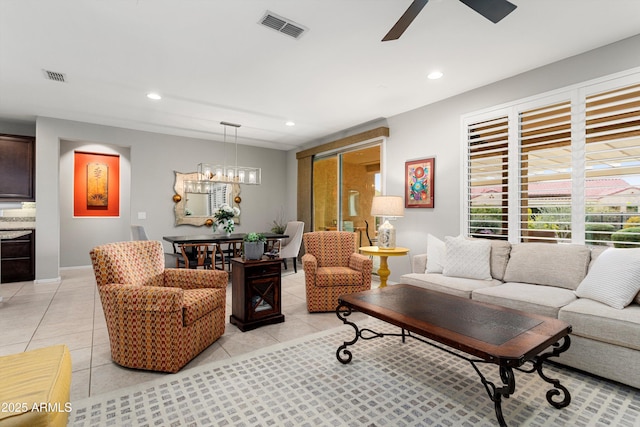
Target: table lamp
(387, 207)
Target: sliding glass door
(344, 184)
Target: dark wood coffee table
(492, 334)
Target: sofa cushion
(500, 251)
(467, 258)
(543, 300)
(458, 286)
(557, 265)
(331, 276)
(200, 302)
(614, 278)
(595, 253)
(435, 254)
(597, 321)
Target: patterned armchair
(332, 267)
(158, 319)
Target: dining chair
(138, 233)
(290, 246)
(196, 255)
(368, 236)
(233, 250)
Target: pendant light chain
(236, 142)
(224, 151)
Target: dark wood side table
(255, 293)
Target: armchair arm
(361, 263)
(141, 298)
(419, 263)
(310, 266)
(186, 278)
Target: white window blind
(487, 165)
(612, 190)
(545, 173)
(563, 167)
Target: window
(545, 173)
(561, 168)
(487, 143)
(613, 165)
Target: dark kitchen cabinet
(17, 167)
(18, 259)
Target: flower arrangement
(224, 217)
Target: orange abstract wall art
(96, 184)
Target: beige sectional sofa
(564, 281)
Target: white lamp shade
(387, 206)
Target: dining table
(218, 238)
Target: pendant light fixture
(232, 174)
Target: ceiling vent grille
(55, 76)
(282, 25)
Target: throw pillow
(614, 278)
(467, 258)
(435, 254)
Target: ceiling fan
(493, 10)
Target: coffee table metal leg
(496, 393)
(559, 347)
(343, 312)
(509, 381)
(344, 355)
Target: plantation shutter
(487, 176)
(545, 173)
(613, 166)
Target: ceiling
(212, 61)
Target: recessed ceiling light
(154, 96)
(290, 123)
(434, 75)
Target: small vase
(226, 227)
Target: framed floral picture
(419, 179)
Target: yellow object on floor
(35, 387)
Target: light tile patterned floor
(37, 315)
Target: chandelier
(232, 174)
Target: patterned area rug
(388, 383)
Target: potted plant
(253, 245)
(279, 224)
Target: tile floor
(70, 312)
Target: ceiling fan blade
(405, 20)
(493, 10)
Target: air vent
(282, 25)
(55, 76)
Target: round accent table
(383, 253)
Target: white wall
(434, 130)
(65, 241)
